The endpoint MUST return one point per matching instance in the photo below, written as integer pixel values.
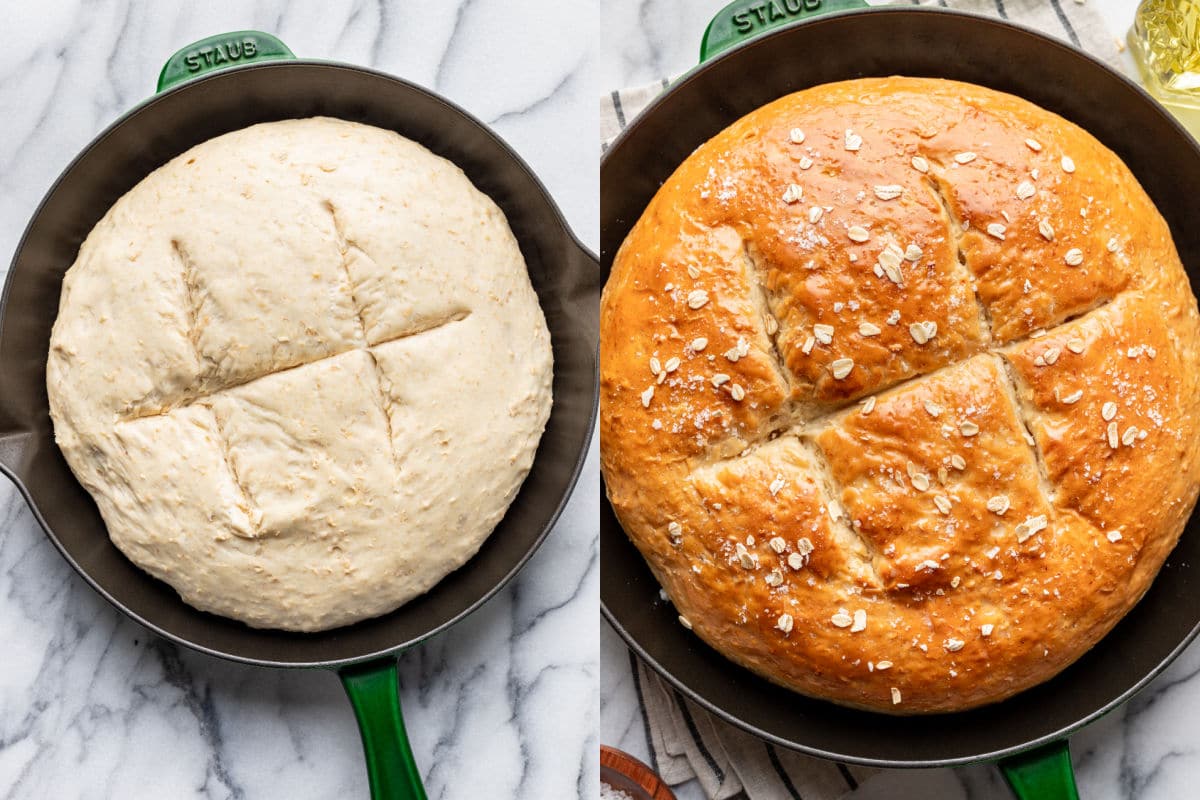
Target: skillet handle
(219, 52)
(745, 19)
(1042, 774)
(374, 692)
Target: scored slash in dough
(302, 371)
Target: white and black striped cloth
(687, 742)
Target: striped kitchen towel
(1077, 23)
(685, 741)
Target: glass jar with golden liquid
(1165, 43)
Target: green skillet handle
(1042, 774)
(222, 51)
(374, 692)
(744, 19)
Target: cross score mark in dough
(345, 245)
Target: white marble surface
(1147, 750)
(504, 705)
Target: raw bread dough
(302, 371)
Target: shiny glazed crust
(899, 393)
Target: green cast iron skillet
(1027, 733)
(215, 86)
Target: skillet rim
(679, 84)
(568, 237)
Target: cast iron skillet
(1029, 730)
(269, 87)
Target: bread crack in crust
(302, 371)
(930, 425)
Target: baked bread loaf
(900, 393)
(302, 371)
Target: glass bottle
(1165, 43)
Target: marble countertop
(93, 706)
(1146, 750)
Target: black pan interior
(563, 273)
(920, 43)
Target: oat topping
(958, 462)
(841, 367)
(697, 298)
(647, 396)
(1031, 527)
(995, 229)
(777, 484)
(858, 233)
(655, 365)
(860, 621)
(740, 349)
(920, 164)
(964, 158)
(894, 317)
(1025, 190)
(774, 578)
(795, 561)
(807, 347)
(1075, 345)
(943, 503)
(986, 629)
(1113, 245)
(737, 392)
(778, 543)
(853, 141)
(693, 271)
(922, 332)
(796, 136)
(1113, 440)
(747, 559)
(1051, 354)
(895, 696)
(920, 482)
(784, 623)
(699, 344)
(913, 253)
(998, 505)
(1074, 257)
(1130, 436)
(842, 619)
(719, 378)
(671, 365)
(1113, 536)
(889, 191)
(1068, 164)
(1034, 145)
(1074, 397)
(1108, 410)
(933, 409)
(968, 428)
(814, 214)
(1046, 230)
(793, 194)
(805, 162)
(953, 645)
(823, 333)
(868, 405)
(869, 329)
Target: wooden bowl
(622, 771)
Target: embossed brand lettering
(771, 11)
(221, 54)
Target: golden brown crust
(991, 277)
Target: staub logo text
(223, 53)
(768, 11)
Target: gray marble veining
(93, 706)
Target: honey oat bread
(900, 391)
(302, 371)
